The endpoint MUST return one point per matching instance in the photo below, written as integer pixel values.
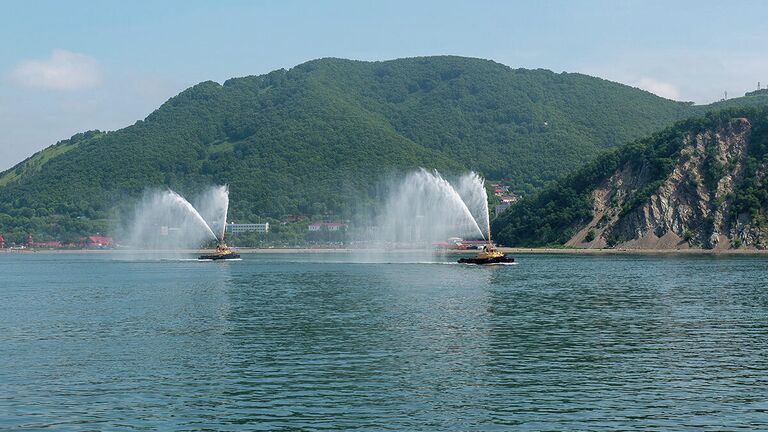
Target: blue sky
(72, 66)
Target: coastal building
(2, 242)
(30, 243)
(236, 228)
(166, 231)
(500, 189)
(94, 241)
(326, 226)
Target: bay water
(327, 342)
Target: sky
(68, 67)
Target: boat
(489, 255)
(222, 252)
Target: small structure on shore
(95, 241)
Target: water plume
(213, 205)
(179, 201)
(471, 188)
(424, 208)
(164, 220)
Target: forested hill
(313, 139)
(700, 184)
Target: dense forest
(316, 139)
(553, 215)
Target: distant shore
(622, 251)
(511, 251)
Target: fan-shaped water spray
(213, 205)
(180, 201)
(471, 188)
(164, 220)
(423, 208)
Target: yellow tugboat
(222, 252)
(489, 255)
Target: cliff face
(690, 207)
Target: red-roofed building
(96, 242)
(48, 244)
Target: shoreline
(507, 250)
(623, 251)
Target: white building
(327, 226)
(236, 228)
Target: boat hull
(218, 257)
(480, 261)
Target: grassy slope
(35, 163)
(318, 138)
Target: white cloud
(682, 74)
(659, 88)
(63, 70)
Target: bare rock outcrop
(691, 207)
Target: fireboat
(489, 255)
(222, 252)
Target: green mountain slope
(319, 137)
(702, 183)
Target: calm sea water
(311, 342)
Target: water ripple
(285, 343)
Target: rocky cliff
(701, 184)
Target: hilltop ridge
(317, 138)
